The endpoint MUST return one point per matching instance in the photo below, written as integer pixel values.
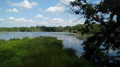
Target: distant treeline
(75, 29)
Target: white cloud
(12, 21)
(24, 5)
(42, 23)
(45, 18)
(60, 22)
(21, 20)
(40, 9)
(55, 9)
(11, 18)
(30, 20)
(57, 20)
(41, 16)
(65, 2)
(74, 22)
(14, 10)
(1, 19)
(60, 7)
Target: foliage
(106, 13)
(75, 29)
(38, 52)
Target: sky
(27, 13)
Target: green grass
(38, 52)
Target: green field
(38, 52)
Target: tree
(107, 14)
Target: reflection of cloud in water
(68, 41)
(72, 42)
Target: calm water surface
(68, 41)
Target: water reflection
(68, 41)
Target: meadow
(38, 52)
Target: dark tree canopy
(107, 14)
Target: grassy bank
(38, 52)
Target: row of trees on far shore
(81, 28)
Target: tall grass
(37, 52)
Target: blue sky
(26, 13)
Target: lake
(68, 41)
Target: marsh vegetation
(38, 52)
